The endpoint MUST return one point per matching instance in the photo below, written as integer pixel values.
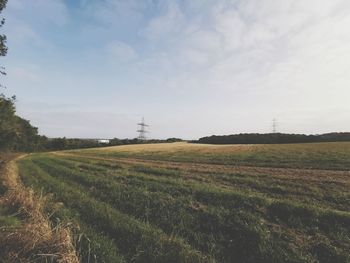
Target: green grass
(132, 211)
(8, 218)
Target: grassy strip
(183, 187)
(137, 241)
(89, 244)
(235, 224)
(173, 186)
(328, 195)
(174, 215)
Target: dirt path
(300, 174)
(35, 237)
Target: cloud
(27, 21)
(121, 51)
(41, 11)
(255, 34)
(24, 74)
(117, 13)
(166, 26)
(277, 55)
(78, 124)
(15, 4)
(20, 33)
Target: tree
(3, 47)
(7, 119)
(16, 133)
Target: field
(200, 203)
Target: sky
(192, 68)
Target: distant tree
(115, 141)
(173, 140)
(267, 138)
(27, 138)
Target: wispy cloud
(28, 23)
(24, 74)
(121, 51)
(52, 11)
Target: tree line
(16, 133)
(270, 138)
(52, 144)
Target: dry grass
(178, 146)
(36, 240)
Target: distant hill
(269, 138)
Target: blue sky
(93, 68)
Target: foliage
(116, 141)
(65, 143)
(257, 138)
(3, 47)
(16, 133)
(49, 144)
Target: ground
(184, 202)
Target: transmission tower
(274, 125)
(142, 130)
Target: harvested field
(192, 203)
(179, 146)
(325, 156)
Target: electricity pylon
(142, 130)
(274, 125)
